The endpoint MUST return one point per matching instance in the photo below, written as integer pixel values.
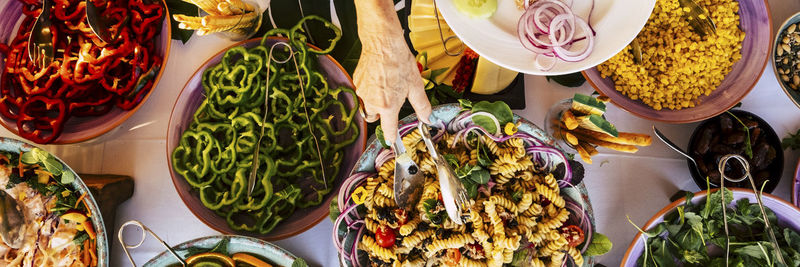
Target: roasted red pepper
(87, 76)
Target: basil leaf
(29, 158)
(452, 160)
(52, 165)
(600, 245)
(67, 177)
(334, 210)
(569, 80)
(379, 136)
(480, 176)
(298, 262)
(467, 105)
(499, 109)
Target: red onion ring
(548, 28)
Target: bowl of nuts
(786, 57)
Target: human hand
(386, 75)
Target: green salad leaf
(600, 245)
(695, 235)
(299, 262)
(499, 109)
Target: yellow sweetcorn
(678, 65)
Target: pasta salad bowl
(526, 196)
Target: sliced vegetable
(586, 104)
(477, 9)
(598, 124)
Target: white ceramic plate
(616, 22)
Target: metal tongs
(722, 163)
(454, 195)
(408, 180)
(143, 229)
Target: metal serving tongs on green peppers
(251, 181)
(767, 227)
(144, 230)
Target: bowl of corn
(685, 76)
(785, 57)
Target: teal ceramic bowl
(447, 113)
(266, 250)
(793, 94)
(15, 146)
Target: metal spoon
(12, 221)
(40, 42)
(99, 24)
(675, 147)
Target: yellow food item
(426, 38)
(490, 78)
(678, 65)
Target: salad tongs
(454, 195)
(408, 179)
(767, 227)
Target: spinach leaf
(792, 141)
(298, 262)
(499, 109)
(600, 245)
(569, 80)
(334, 210)
(479, 175)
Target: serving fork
(40, 41)
(698, 18)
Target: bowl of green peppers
(308, 137)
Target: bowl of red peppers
(91, 86)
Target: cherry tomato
(478, 248)
(440, 198)
(574, 235)
(452, 257)
(401, 215)
(385, 236)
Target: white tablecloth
(635, 185)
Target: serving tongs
(143, 228)
(408, 180)
(454, 195)
(767, 227)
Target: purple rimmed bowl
(301, 220)
(787, 217)
(796, 186)
(79, 129)
(756, 23)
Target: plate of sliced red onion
(550, 37)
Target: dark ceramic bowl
(755, 21)
(775, 168)
(302, 219)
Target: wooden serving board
(109, 190)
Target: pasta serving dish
(528, 205)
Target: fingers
(419, 101)
(389, 126)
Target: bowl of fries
(579, 126)
(236, 20)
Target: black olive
(398, 241)
(447, 234)
(513, 223)
(440, 232)
(423, 227)
(437, 219)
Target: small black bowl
(774, 169)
